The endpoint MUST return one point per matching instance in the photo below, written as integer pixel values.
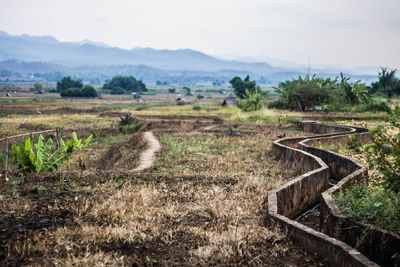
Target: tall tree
(240, 86)
(68, 82)
(124, 84)
(387, 84)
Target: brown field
(203, 203)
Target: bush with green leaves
(305, 94)
(252, 101)
(85, 91)
(124, 84)
(384, 152)
(375, 206)
(68, 82)
(43, 156)
(388, 84)
(131, 128)
(79, 144)
(354, 143)
(278, 104)
(241, 86)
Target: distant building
(136, 95)
(8, 94)
(229, 103)
(180, 101)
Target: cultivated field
(202, 203)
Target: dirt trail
(148, 156)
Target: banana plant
(78, 144)
(42, 158)
(39, 157)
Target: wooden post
(31, 137)
(6, 160)
(57, 141)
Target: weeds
(376, 206)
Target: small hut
(180, 101)
(136, 96)
(229, 103)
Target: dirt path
(148, 156)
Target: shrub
(124, 84)
(68, 82)
(118, 91)
(376, 206)
(196, 108)
(252, 101)
(384, 152)
(85, 91)
(88, 91)
(278, 104)
(354, 143)
(373, 106)
(241, 86)
(42, 157)
(131, 128)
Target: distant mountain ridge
(24, 55)
(48, 49)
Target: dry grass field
(203, 203)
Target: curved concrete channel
(321, 170)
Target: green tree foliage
(188, 91)
(42, 157)
(353, 93)
(240, 86)
(384, 152)
(278, 104)
(80, 145)
(251, 101)
(305, 94)
(376, 206)
(38, 87)
(388, 84)
(124, 84)
(85, 91)
(68, 82)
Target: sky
(322, 32)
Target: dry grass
(169, 223)
(203, 204)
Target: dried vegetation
(202, 204)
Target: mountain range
(23, 54)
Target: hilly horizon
(73, 54)
(25, 54)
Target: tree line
(73, 87)
(314, 93)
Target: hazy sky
(347, 32)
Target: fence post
(6, 160)
(57, 141)
(31, 137)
